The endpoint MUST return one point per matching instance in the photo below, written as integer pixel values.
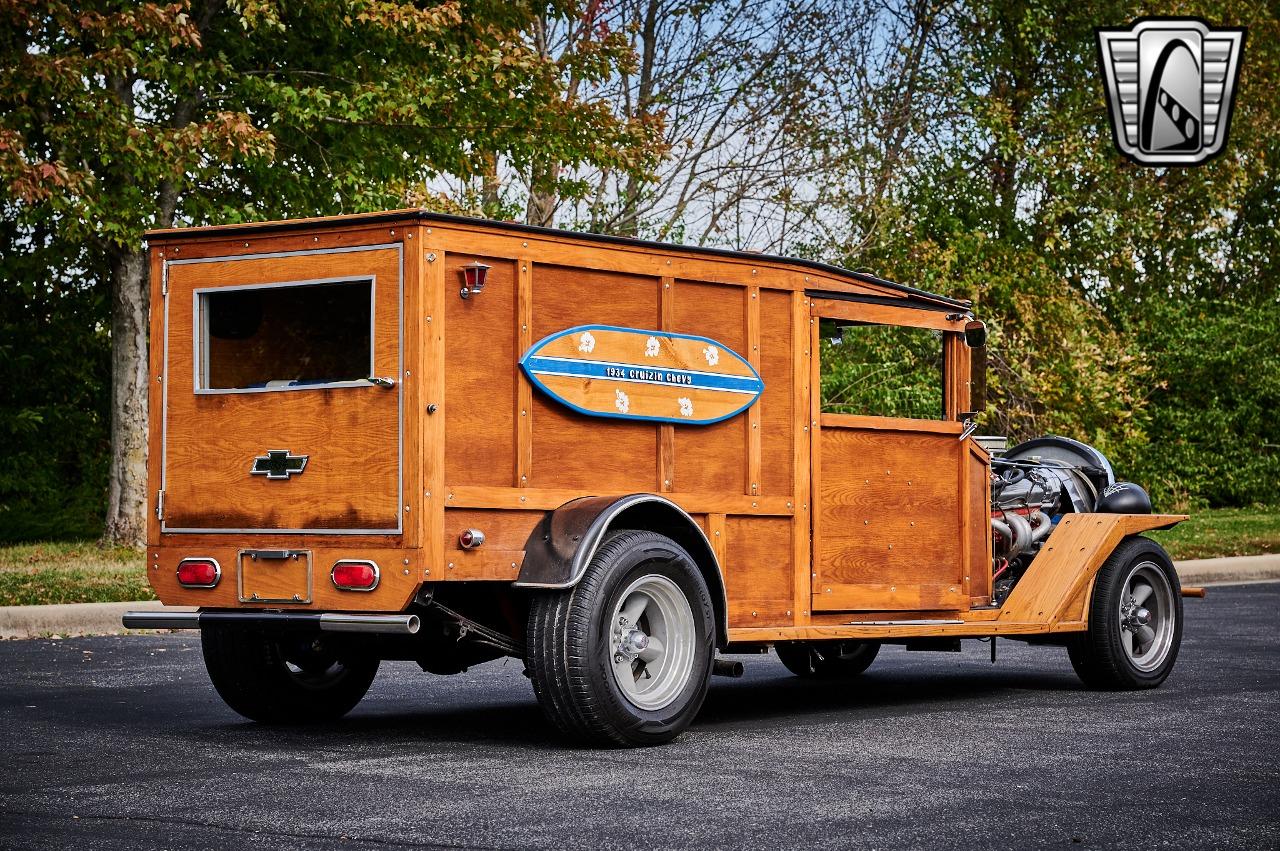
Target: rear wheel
(285, 679)
(624, 657)
(827, 659)
(1135, 620)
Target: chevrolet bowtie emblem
(1170, 85)
(278, 464)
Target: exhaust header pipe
(321, 621)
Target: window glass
(881, 370)
(287, 336)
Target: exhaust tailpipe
(321, 621)
(726, 668)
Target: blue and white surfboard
(651, 376)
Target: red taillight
(199, 572)
(470, 539)
(355, 575)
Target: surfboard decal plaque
(647, 376)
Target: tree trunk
(543, 199)
(126, 521)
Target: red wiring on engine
(1004, 565)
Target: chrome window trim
(217, 571)
(377, 574)
(200, 334)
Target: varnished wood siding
(889, 527)
(496, 453)
(480, 376)
(565, 454)
(351, 434)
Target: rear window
(295, 335)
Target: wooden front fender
(1056, 588)
(563, 544)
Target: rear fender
(564, 542)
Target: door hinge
(160, 505)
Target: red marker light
(355, 575)
(470, 539)
(199, 572)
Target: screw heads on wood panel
(473, 278)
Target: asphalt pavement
(120, 742)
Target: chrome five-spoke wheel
(1146, 616)
(624, 657)
(653, 642)
(1135, 620)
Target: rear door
(271, 422)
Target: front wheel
(285, 678)
(624, 657)
(1135, 620)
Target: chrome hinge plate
(160, 505)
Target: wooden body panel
(888, 502)
(400, 573)
(484, 448)
(1046, 600)
(351, 434)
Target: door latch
(381, 382)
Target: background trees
(956, 145)
(119, 116)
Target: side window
(269, 337)
(881, 370)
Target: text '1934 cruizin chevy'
(420, 437)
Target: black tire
(285, 679)
(827, 659)
(573, 645)
(1101, 656)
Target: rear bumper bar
(321, 621)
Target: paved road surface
(120, 742)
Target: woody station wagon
(421, 437)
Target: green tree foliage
(117, 116)
(961, 146)
(1106, 283)
(1213, 434)
(881, 371)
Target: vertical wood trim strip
(815, 443)
(751, 308)
(524, 388)
(957, 379)
(155, 395)
(414, 384)
(802, 456)
(431, 365)
(666, 431)
(716, 533)
(966, 512)
(964, 375)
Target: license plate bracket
(274, 576)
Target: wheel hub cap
(652, 642)
(1147, 616)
